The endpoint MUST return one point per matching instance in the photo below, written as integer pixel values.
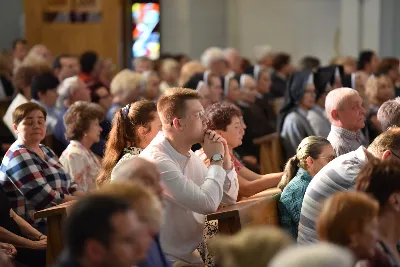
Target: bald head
(138, 170)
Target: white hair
(211, 55)
(228, 51)
(336, 98)
(261, 51)
(316, 255)
(66, 89)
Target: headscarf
(193, 82)
(333, 71)
(322, 79)
(225, 83)
(294, 92)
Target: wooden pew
(257, 210)
(271, 159)
(55, 218)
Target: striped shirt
(339, 175)
(344, 141)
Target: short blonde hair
(254, 246)
(168, 65)
(336, 99)
(124, 81)
(372, 88)
(142, 200)
(344, 214)
(188, 70)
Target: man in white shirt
(190, 189)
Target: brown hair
(309, 147)
(387, 140)
(6, 64)
(141, 198)
(20, 112)
(387, 64)
(220, 115)
(380, 178)
(24, 76)
(343, 214)
(78, 117)
(123, 132)
(172, 103)
(280, 61)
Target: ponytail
(291, 168)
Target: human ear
(15, 128)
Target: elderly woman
(312, 155)
(30, 174)
(82, 130)
(134, 127)
(293, 125)
(350, 219)
(169, 73)
(150, 85)
(378, 90)
(380, 179)
(125, 88)
(230, 86)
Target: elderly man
(232, 56)
(191, 190)
(340, 175)
(213, 59)
(389, 114)
(346, 114)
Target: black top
(5, 220)
(278, 87)
(7, 85)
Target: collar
(345, 133)
(304, 175)
(259, 96)
(302, 112)
(181, 159)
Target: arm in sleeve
(231, 188)
(28, 177)
(74, 164)
(201, 199)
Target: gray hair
(336, 98)
(316, 255)
(211, 55)
(66, 89)
(389, 114)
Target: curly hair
(220, 115)
(78, 117)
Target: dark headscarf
(322, 79)
(331, 72)
(294, 92)
(194, 81)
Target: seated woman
(350, 219)
(253, 116)
(316, 116)
(378, 90)
(225, 120)
(150, 86)
(264, 99)
(231, 89)
(30, 174)
(29, 242)
(293, 125)
(125, 89)
(381, 180)
(312, 155)
(134, 127)
(82, 130)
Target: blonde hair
(125, 80)
(188, 70)
(167, 65)
(373, 86)
(309, 147)
(142, 200)
(254, 247)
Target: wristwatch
(217, 157)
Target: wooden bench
(55, 217)
(271, 159)
(261, 209)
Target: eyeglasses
(200, 115)
(394, 154)
(329, 158)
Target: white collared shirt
(191, 191)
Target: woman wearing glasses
(313, 153)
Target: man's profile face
(69, 67)
(352, 115)
(193, 121)
(129, 243)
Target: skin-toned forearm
(13, 239)
(250, 188)
(26, 229)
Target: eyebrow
(30, 118)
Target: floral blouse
(82, 164)
(128, 153)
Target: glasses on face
(200, 115)
(394, 154)
(329, 158)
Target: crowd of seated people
(159, 147)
